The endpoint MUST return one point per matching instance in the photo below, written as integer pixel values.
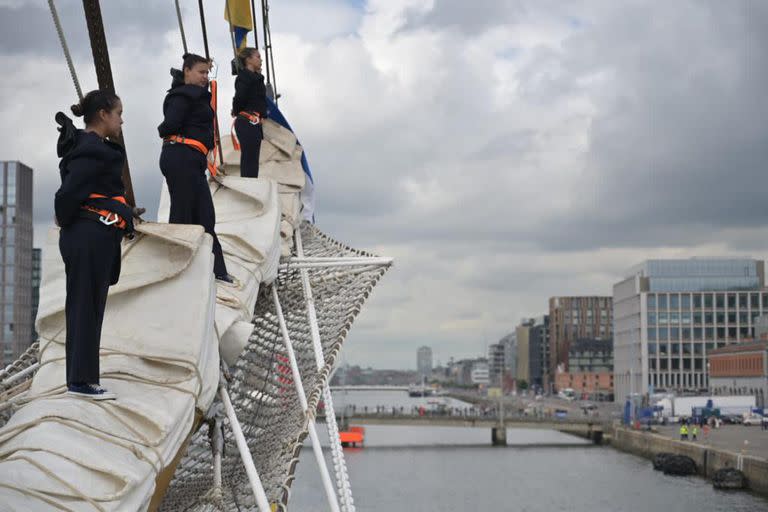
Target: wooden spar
(104, 74)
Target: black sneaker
(90, 391)
(226, 278)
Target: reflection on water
(451, 469)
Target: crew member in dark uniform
(249, 106)
(187, 132)
(93, 216)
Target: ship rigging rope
(181, 26)
(202, 24)
(64, 47)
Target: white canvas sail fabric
(166, 325)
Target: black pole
(101, 62)
(205, 31)
(253, 17)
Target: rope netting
(262, 387)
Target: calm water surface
(455, 469)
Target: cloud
(502, 154)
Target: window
(720, 301)
(743, 317)
(731, 317)
(676, 365)
(721, 333)
(709, 318)
(731, 301)
(731, 333)
(663, 333)
(686, 333)
(662, 301)
(708, 301)
(651, 319)
(696, 301)
(663, 349)
(652, 334)
(663, 318)
(697, 333)
(720, 316)
(651, 301)
(685, 301)
(697, 318)
(652, 348)
(743, 299)
(674, 333)
(674, 318)
(675, 348)
(685, 317)
(663, 364)
(674, 301)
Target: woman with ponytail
(93, 216)
(249, 106)
(187, 132)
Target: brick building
(590, 362)
(740, 369)
(571, 318)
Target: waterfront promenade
(728, 437)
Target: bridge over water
(587, 428)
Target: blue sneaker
(90, 391)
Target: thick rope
(181, 26)
(64, 47)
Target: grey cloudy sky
(502, 151)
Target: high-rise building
(576, 317)
(424, 361)
(669, 314)
(532, 335)
(509, 342)
(37, 268)
(15, 259)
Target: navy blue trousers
(91, 253)
(250, 137)
(191, 202)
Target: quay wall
(707, 459)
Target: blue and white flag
(308, 194)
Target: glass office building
(15, 259)
(668, 314)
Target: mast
(104, 74)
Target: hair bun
(186, 55)
(77, 109)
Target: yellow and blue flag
(242, 20)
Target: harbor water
(452, 469)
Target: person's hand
(138, 212)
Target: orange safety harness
(210, 154)
(251, 117)
(107, 217)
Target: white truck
(679, 406)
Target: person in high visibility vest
(249, 107)
(683, 432)
(93, 216)
(694, 431)
(187, 132)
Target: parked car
(732, 419)
(753, 419)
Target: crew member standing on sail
(93, 215)
(187, 132)
(249, 106)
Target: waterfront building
(496, 363)
(590, 363)
(480, 374)
(740, 369)
(15, 259)
(670, 314)
(510, 356)
(424, 361)
(576, 317)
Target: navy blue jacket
(187, 110)
(250, 93)
(91, 165)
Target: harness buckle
(105, 219)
